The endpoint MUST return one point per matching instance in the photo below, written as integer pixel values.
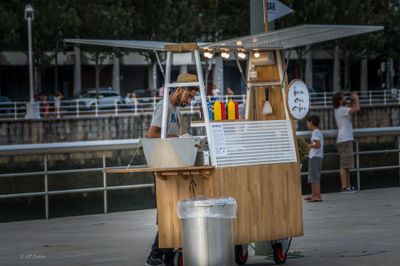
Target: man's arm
(154, 132)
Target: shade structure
(293, 37)
(286, 38)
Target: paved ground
(345, 229)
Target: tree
(307, 12)
(104, 19)
(9, 25)
(390, 46)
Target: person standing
(57, 102)
(180, 97)
(315, 157)
(345, 137)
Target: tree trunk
(97, 71)
(77, 71)
(116, 74)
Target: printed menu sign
(219, 139)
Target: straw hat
(186, 77)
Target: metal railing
(45, 150)
(143, 106)
(360, 133)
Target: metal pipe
(31, 88)
(164, 129)
(46, 187)
(105, 183)
(358, 164)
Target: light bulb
(242, 55)
(256, 54)
(207, 55)
(225, 55)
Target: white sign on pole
(298, 99)
(276, 9)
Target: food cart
(254, 160)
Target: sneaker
(348, 190)
(154, 261)
(354, 189)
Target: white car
(105, 98)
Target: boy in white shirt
(315, 156)
(345, 137)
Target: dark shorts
(346, 154)
(314, 169)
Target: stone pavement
(345, 229)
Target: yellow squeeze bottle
(217, 111)
(231, 110)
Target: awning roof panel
(280, 39)
(294, 37)
(139, 45)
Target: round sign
(298, 99)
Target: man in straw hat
(180, 97)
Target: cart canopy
(287, 38)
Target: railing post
(325, 104)
(77, 109)
(58, 109)
(398, 146)
(370, 99)
(358, 164)
(46, 187)
(116, 107)
(15, 111)
(191, 107)
(244, 98)
(136, 106)
(96, 108)
(105, 183)
(384, 97)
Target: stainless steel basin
(170, 152)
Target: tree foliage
(187, 21)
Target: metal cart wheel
(178, 258)
(241, 255)
(279, 254)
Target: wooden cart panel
(268, 196)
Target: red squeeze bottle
(236, 109)
(223, 110)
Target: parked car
(104, 97)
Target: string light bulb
(207, 54)
(225, 54)
(241, 55)
(256, 54)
